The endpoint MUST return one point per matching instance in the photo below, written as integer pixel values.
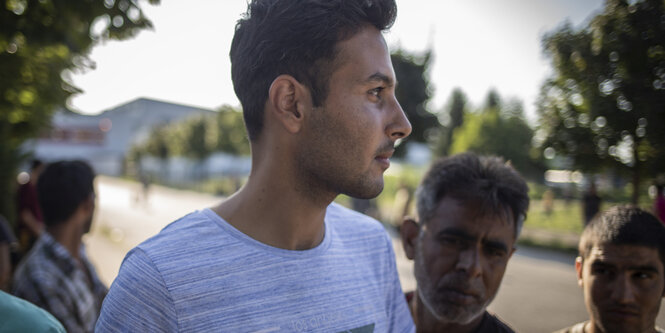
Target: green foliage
(413, 92)
(453, 119)
(564, 217)
(603, 107)
(232, 136)
(198, 137)
(498, 131)
(41, 42)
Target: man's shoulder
(577, 328)
(21, 315)
(202, 233)
(492, 324)
(37, 266)
(35, 277)
(344, 218)
(181, 232)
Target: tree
(198, 137)
(453, 119)
(413, 92)
(41, 42)
(603, 107)
(498, 130)
(232, 136)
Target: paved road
(539, 292)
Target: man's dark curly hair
(298, 38)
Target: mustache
(386, 148)
(461, 283)
(624, 308)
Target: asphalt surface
(539, 292)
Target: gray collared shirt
(51, 278)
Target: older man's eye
(643, 275)
(600, 271)
(495, 251)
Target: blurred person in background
(620, 269)
(591, 203)
(8, 247)
(317, 88)
(659, 203)
(30, 224)
(56, 274)
(470, 211)
(18, 315)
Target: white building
(104, 139)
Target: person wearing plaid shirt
(56, 274)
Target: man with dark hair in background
(30, 224)
(470, 211)
(317, 88)
(56, 274)
(591, 202)
(620, 269)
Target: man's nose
(399, 126)
(469, 261)
(623, 290)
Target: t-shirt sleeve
(399, 315)
(139, 300)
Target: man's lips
(384, 158)
(386, 154)
(623, 312)
(457, 295)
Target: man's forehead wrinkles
(459, 232)
(617, 257)
(462, 233)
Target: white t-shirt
(201, 274)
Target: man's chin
(456, 313)
(367, 191)
(463, 317)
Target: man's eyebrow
(494, 244)
(648, 268)
(457, 232)
(382, 78)
(460, 233)
(598, 262)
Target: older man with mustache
(470, 211)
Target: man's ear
(88, 205)
(409, 232)
(285, 97)
(510, 255)
(579, 263)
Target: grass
(396, 199)
(565, 216)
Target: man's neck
(427, 323)
(591, 327)
(69, 238)
(273, 210)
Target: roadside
(561, 241)
(126, 216)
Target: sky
(477, 45)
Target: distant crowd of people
(317, 87)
